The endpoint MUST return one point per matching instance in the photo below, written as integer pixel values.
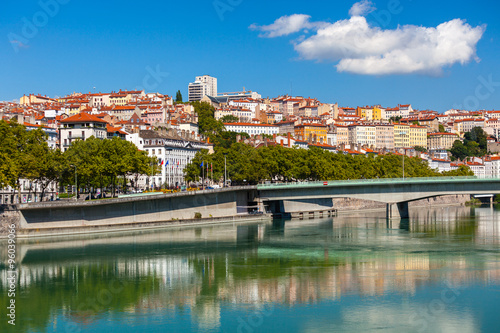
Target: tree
(49, 167)
(100, 163)
(207, 124)
(441, 128)
(178, 97)
(458, 150)
(19, 153)
(477, 134)
(229, 119)
(420, 149)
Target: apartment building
(418, 136)
(384, 136)
(80, 127)
(311, 132)
(251, 129)
(402, 136)
(202, 86)
(360, 134)
(441, 140)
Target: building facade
(204, 85)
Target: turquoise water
(439, 271)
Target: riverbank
(11, 215)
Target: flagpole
(202, 177)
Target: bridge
(395, 193)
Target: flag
(177, 164)
(211, 167)
(161, 161)
(201, 166)
(167, 162)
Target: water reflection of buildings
(204, 269)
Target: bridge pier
(398, 210)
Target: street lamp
(168, 166)
(76, 182)
(225, 174)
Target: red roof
(81, 118)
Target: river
(439, 271)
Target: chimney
(289, 137)
(274, 137)
(281, 142)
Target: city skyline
(74, 47)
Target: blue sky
(163, 45)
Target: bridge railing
(375, 180)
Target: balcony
(76, 136)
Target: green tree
(207, 124)
(49, 167)
(458, 150)
(20, 149)
(103, 163)
(178, 97)
(477, 134)
(420, 149)
(441, 128)
(229, 119)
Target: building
(418, 136)
(285, 127)
(401, 136)
(80, 127)
(311, 132)
(360, 134)
(342, 132)
(466, 125)
(202, 86)
(252, 129)
(384, 136)
(238, 95)
(174, 153)
(441, 140)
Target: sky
(433, 55)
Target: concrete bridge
(235, 203)
(395, 193)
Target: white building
(252, 129)
(81, 126)
(239, 95)
(362, 135)
(174, 153)
(203, 86)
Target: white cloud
(287, 25)
(361, 48)
(361, 8)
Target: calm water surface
(439, 271)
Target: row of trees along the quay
(99, 163)
(247, 165)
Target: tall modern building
(203, 86)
